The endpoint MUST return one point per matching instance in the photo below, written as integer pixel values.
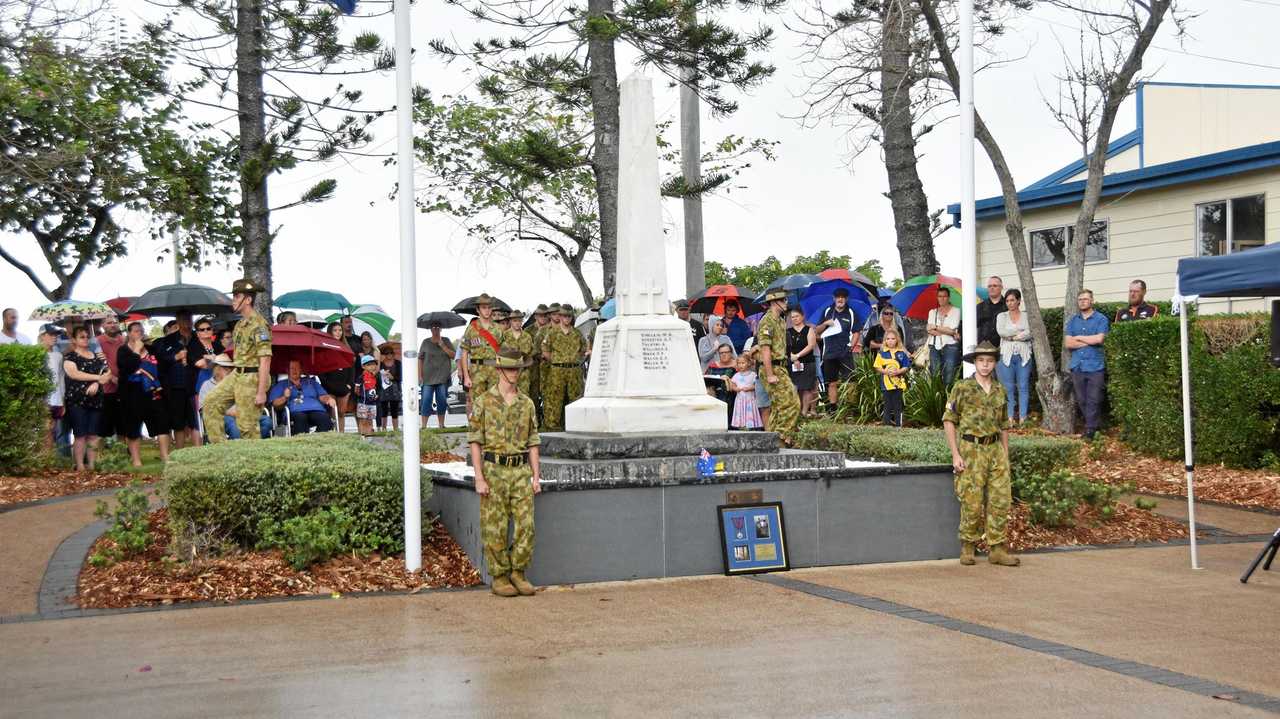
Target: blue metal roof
(1195, 169)
(1114, 148)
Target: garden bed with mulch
(155, 578)
(1115, 463)
(44, 485)
(1126, 525)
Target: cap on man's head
(566, 310)
(774, 295)
(245, 286)
(484, 299)
(553, 308)
(367, 359)
(500, 315)
(51, 329)
(515, 315)
(540, 310)
(682, 304)
(510, 358)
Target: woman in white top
(944, 334)
(714, 338)
(1014, 367)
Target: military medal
(739, 524)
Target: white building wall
(1180, 122)
(1149, 232)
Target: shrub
(1029, 456)
(1234, 391)
(1052, 498)
(130, 529)
(862, 401)
(232, 487)
(310, 539)
(24, 409)
(925, 400)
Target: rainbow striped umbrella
(920, 294)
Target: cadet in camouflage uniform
(478, 353)
(771, 339)
(523, 341)
(562, 348)
(535, 370)
(246, 386)
(504, 452)
(976, 431)
(548, 322)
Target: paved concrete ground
(691, 647)
(1238, 521)
(28, 537)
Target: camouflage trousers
(483, 377)
(784, 404)
(986, 471)
(563, 385)
(239, 389)
(510, 501)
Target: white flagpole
(968, 223)
(408, 292)
(1188, 450)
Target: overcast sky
(811, 198)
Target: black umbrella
(468, 306)
(446, 320)
(168, 300)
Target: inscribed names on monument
(602, 359)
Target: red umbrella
(121, 306)
(853, 278)
(711, 300)
(318, 351)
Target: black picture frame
(758, 544)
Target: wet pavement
(690, 647)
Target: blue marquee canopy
(1250, 273)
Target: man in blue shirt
(306, 401)
(1083, 335)
(736, 327)
(837, 349)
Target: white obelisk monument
(644, 375)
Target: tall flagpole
(408, 292)
(968, 224)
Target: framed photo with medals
(753, 538)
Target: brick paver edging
(1137, 670)
(71, 497)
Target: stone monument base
(645, 414)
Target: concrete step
(591, 446)
(644, 471)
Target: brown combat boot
(966, 554)
(503, 588)
(522, 585)
(1002, 558)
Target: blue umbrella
(793, 282)
(815, 299)
(609, 310)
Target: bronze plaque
(744, 496)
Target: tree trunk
(603, 79)
(255, 157)
(575, 269)
(691, 167)
(906, 191)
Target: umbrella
(609, 310)
(446, 320)
(368, 318)
(121, 306)
(311, 319)
(920, 294)
(168, 300)
(313, 300)
(793, 282)
(711, 300)
(585, 317)
(317, 351)
(819, 296)
(72, 310)
(468, 306)
(856, 278)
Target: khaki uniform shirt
(565, 347)
(503, 428)
(523, 342)
(772, 334)
(974, 411)
(476, 346)
(252, 338)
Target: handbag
(921, 357)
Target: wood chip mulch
(153, 578)
(43, 485)
(439, 458)
(1128, 524)
(1117, 464)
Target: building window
(1231, 225)
(1049, 246)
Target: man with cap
(480, 344)
(523, 341)
(246, 386)
(979, 440)
(682, 311)
(563, 349)
(837, 349)
(504, 454)
(771, 339)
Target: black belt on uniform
(989, 439)
(506, 460)
(250, 370)
(566, 364)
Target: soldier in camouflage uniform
(479, 351)
(562, 349)
(523, 341)
(549, 321)
(504, 453)
(771, 339)
(535, 370)
(246, 386)
(979, 439)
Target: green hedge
(1029, 456)
(24, 406)
(1053, 319)
(1235, 393)
(232, 487)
